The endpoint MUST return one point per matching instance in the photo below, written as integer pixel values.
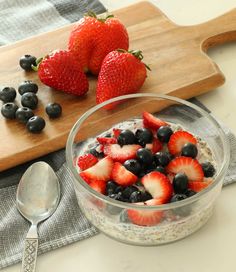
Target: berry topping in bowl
(152, 160)
(158, 189)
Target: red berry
(190, 167)
(198, 186)
(92, 39)
(98, 185)
(100, 171)
(152, 122)
(86, 161)
(121, 154)
(158, 185)
(121, 73)
(178, 140)
(60, 71)
(144, 217)
(116, 132)
(155, 146)
(122, 176)
(106, 140)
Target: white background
(211, 249)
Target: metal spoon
(37, 198)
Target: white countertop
(212, 248)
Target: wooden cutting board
(176, 55)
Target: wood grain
(176, 55)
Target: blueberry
(180, 183)
(208, 169)
(178, 197)
(190, 193)
(181, 211)
(117, 196)
(35, 124)
(126, 137)
(113, 188)
(162, 158)
(146, 196)
(26, 61)
(95, 153)
(119, 189)
(160, 169)
(144, 136)
(164, 133)
(29, 100)
(149, 167)
(128, 191)
(8, 110)
(27, 86)
(53, 110)
(133, 166)
(144, 156)
(24, 114)
(135, 197)
(8, 94)
(149, 170)
(189, 150)
(142, 174)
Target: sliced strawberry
(116, 132)
(155, 146)
(106, 140)
(122, 176)
(191, 167)
(98, 185)
(86, 161)
(100, 171)
(146, 218)
(121, 154)
(150, 121)
(178, 140)
(198, 186)
(158, 185)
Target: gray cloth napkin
(67, 224)
(21, 19)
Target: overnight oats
(146, 181)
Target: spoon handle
(30, 250)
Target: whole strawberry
(92, 39)
(121, 73)
(60, 71)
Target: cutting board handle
(219, 30)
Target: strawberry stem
(90, 13)
(102, 19)
(137, 53)
(147, 67)
(36, 67)
(121, 50)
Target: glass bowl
(179, 219)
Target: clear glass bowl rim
(125, 205)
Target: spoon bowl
(38, 193)
(37, 197)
